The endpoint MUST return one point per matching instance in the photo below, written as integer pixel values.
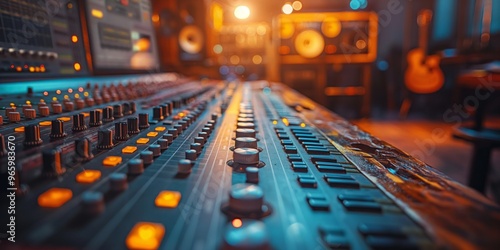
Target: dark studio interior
(250, 124)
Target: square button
(168, 199)
(160, 129)
(54, 197)
(142, 141)
(112, 161)
(308, 182)
(145, 235)
(129, 149)
(88, 176)
(152, 134)
(317, 204)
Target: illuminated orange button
(19, 129)
(86, 114)
(112, 161)
(168, 199)
(88, 176)
(45, 123)
(145, 235)
(160, 129)
(152, 134)
(129, 149)
(142, 141)
(64, 118)
(54, 197)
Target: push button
(54, 197)
(145, 235)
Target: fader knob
(83, 149)
(158, 114)
(118, 182)
(135, 166)
(95, 118)
(132, 107)
(52, 164)
(117, 111)
(80, 103)
(163, 143)
(57, 129)
(245, 132)
(92, 202)
(245, 142)
(252, 174)
(246, 198)
(147, 157)
(199, 140)
(133, 126)
(3, 149)
(107, 114)
(69, 106)
(184, 166)
(105, 139)
(249, 125)
(156, 149)
(250, 234)
(32, 135)
(191, 154)
(196, 146)
(121, 131)
(246, 156)
(79, 122)
(143, 120)
(215, 116)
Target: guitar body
(423, 75)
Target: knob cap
(44, 111)
(215, 116)
(105, 139)
(32, 135)
(79, 122)
(57, 129)
(30, 113)
(92, 202)
(241, 119)
(107, 114)
(117, 111)
(191, 154)
(200, 140)
(163, 143)
(156, 149)
(126, 108)
(168, 137)
(3, 149)
(83, 149)
(246, 156)
(133, 126)
(147, 157)
(245, 132)
(158, 114)
(121, 131)
(56, 108)
(245, 142)
(52, 164)
(135, 166)
(14, 116)
(95, 118)
(69, 106)
(118, 182)
(132, 107)
(204, 135)
(252, 174)
(164, 110)
(196, 146)
(143, 120)
(252, 234)
(80, 103)
(173, 132)
(246, 198)
(246, 125)
(184, 166)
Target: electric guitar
(423, 75)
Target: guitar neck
(423, 37)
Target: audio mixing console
(174, 163)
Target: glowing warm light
(297, 5)
(54, 197)
(285, 121)
(275, 122)
(58, 91)
(168, 199)
(12, 104)
(32, 69)
(155, 18)
(217, 49)
(45, 123)
(66, 97)
(360, 44)
(70, 90)
(64, 118)
(74, 38)
(86, 94)
(77, 66)
(237, 223)
(287, 8)
(19, 68)
(77, 96)
(284, 50)
(88, 176)
(129, 149)
(330, 49)
(242, 12)
(19, 129)
(152, 134)
(28, 102)
(142, 141)
(303, 125)
(234, 59)
(145, 235)
(261, 30)
(111, 161)
(97, 13)
(54, 99)
(256, 59)
(160, 129)
(80, 89)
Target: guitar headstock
(424, 17)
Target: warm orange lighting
(19, 129)
(70, 90)
(145, 235)
(303, 125)
(234, 59)
(237, 223)
(287, 8)
(360, 44)
(155, 18)
(152, 134)
(297, 5)
(88, 176)
(256, 59)
(66, 97)
(77, 66)
(129, 149)
(285, 121)
(181, 114)
(28, 102)
(330, 49)
(242, 12)
(97, 13)
(217, 49)
(168, 199)
(111, 161)
(275, 122)
(42, 69)
(74, 38)
(19, 68)
(86, 94)
(85, 114)
(77, 96)
(54, 197)
(54, 99)
(32, 69)
(160, 129)
(45, 123)
(64, 118)
(142, 141)
(80, 89)
(284, 50)
(58, 91)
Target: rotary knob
(133, 126)
(121, 131)
(164, 110)
(69, 106)
(143, 120)
(14, 116)
(80, 103)
(132, 107)
(156, 149)
(30, 113)
(246, 156)
(250, 234)
(252, 174)
(126, 108)
(158, 114)
(56, 108)
(95, 118)
(184, 166)
(245, 142)
(163, 143)
(118, 182)
(52, 163)
(147, 157)
(191, 154)
(135, 166)
(92, 202)
(57, 129)
(32, 135)
(105, 139)
(83, 149)
(79, 122)
(245, 132)
(197, 147)
(44, 111)
(117, 111)
(246, 198)
(107, 114)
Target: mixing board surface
(174, 163)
